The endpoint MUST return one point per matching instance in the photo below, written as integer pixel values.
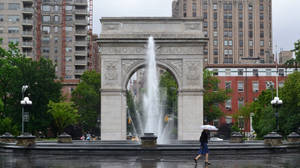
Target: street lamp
(276, 102)
(24, 101)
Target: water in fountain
(153, 117)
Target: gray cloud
(286, 16)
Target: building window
(215, 51)
(240, 102)
(215, 25)
(12, 30)
(205, 52)
(261, 25)
(13, 18)
(1, 6)
(240, 15)
(46, 50)
(69, 17)
(262, 43)
(281, 72)
(262, 52)
(240, 72)
(228, 104)
(250, 7)
(241, 42)
(240, 6)
(261, 34)
(250, 25)
(68, 49)
(69, 8)
(269, 84)
(255, 86)
(69, 39)
(45, 40)
(227, 85)
(46, 29)
(215, 34)
(250, 52)
(13, 40)
(205, 24)
(250, 16)
(69, 29)
(241, 86)
(250, 43)
(46, 19)
(241, 52)
(46, 8)
(255, 72)
(1, 31)
(250, 34)
(241, 123)
(227, 72)
(268, 72)
(215, 6)
(230, 43)
(216, 60)
(215, 15)
(261, 7)
(261, 16)
(56, 18)
(240, 24)
(13, 6)
(225, 43)
(281, 84)
(215, 42)
(215, 72)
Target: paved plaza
(13, 160)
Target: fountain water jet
(154, 115)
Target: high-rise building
(240, 31)
(54, 29)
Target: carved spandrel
(127, 65)
(192, 73)
(111, 70)
(175, 64)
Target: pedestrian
(203, 147)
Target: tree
(213, 96)
(168, 82)
(289, 113)
(63, 113)
(294, 62)
(244, 115)
(87, 99)
(15, 71)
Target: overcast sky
(286, 16)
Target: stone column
(113, 115)
(190, 115)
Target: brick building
(246, 81)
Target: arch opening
(135, 94)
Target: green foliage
(63, 113)
(168, 82)
(132, 112)
(87, 99)
(6, 125)
(213, 96)
(294, 62)
(289, 114)
(244, 114)
(15, 71)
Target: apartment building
(246, 81)
(240, 31)
(53, 29)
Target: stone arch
(139, 65)
(179, 49)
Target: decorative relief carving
(127, 65)
(193, 71)
(111, 70)
(175, 64)
(192, 26)
(123, 50)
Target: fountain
(153, 117)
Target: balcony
(27, 44)
(81, 12)
(80, 2)
(83, 52)
(81, 43)
(80, 62)
(28, 22)
(79, 71)
(27, 33)
(27, 10)
(81, 32)
(81, 22)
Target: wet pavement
(13, 160)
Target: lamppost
(276, 102)
(24, 101)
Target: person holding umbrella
(203, 143)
